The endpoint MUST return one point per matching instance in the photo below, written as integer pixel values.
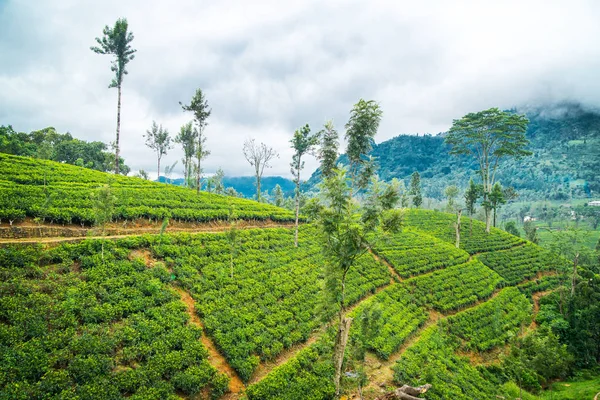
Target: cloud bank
(269, 67)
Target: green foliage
(328, 151)
(51, 145)
(272, 301)
(361, 128)
(523, 262)
(454, 287)
(415, 189)
(116, 42)
(536, 358)
(92, 329)
(412, 253)
(26, 184)
(511, 227)
(398, 318)
(492, 323)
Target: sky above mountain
(268, 67)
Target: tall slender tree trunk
(297, 208)
(198, 176)
(457, 227)
(341, 339)
(117, 153)
(158, 177)
(256, 168)
(488, 220)
(574, 277)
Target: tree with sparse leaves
(451, 193)
(278, 198)
(199, 107)
(303, 142)
(490, 136)
(159, 140)
(258, 156)
(187, 138)
(117, 42)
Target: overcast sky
(268, 67)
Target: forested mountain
(564, 138)
(246, 185)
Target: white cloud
(269, 67)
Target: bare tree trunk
(488, 219)
(118, 130)
(457, 226)
(158, 177)
(574, 277)
(406, 393)
(198, 176)
(340, 347)
(257, 187)
(341, 339)
(297, 209)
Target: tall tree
(489, 136)
(415, 189)
(344, 233)
(186, 137)
(361, 128)
(258, 156)
(199, 107)
(302, 142)
(117, 42)
(159, 140)
(328, 152)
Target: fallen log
(406, 392)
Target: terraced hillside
(216, 315)
(61, 194)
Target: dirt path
(211, 228)
(216, 359)
(379, 372)
(387, 264)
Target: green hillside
(565, 140)
(80, 322)
(61, 193)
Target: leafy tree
(218, 179)
(187, 138)
(451, 193)
(302, 143)
(159, 140)
(328, 152)
(490, 136)
(142, 174)
(169, 170)
(199, 107)
(415, 189)
(361, 128)
(511, 227)
(258, 156)
(117, 42)
(496, 199)
(531, 232)
(278, 198)
(344, 232)
(592, 214)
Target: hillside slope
(61, 193)
(112, 319)
(564, 138)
